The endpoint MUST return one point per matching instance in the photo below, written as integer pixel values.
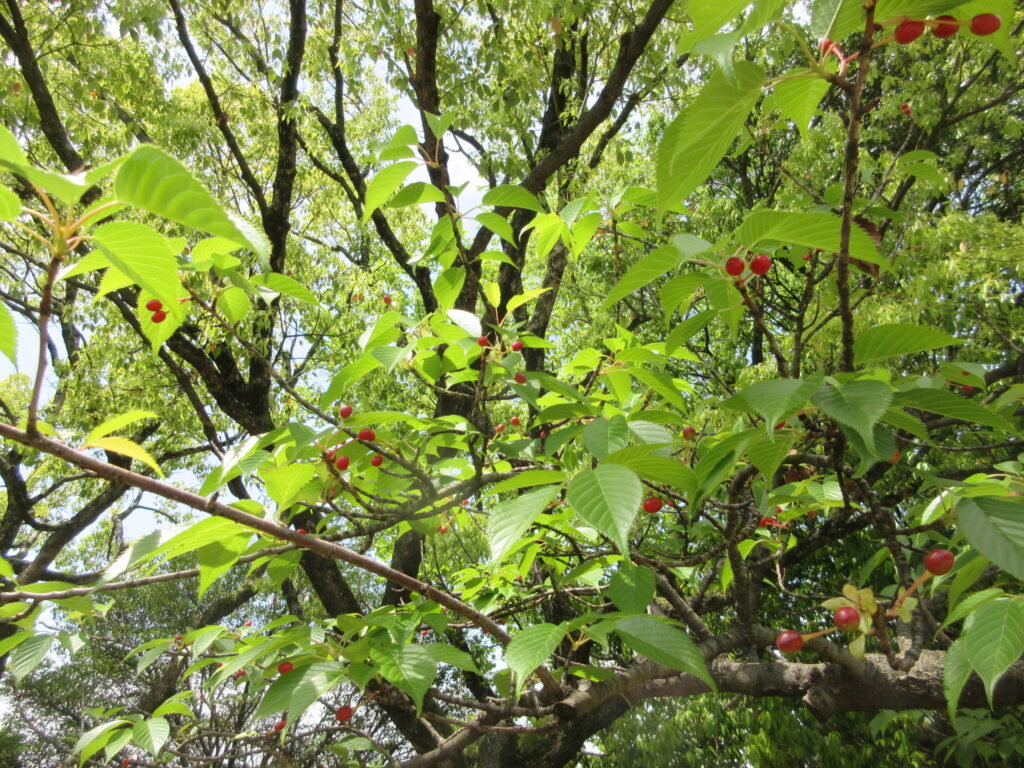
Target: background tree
(658, 331)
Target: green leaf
(510, 520)
(146, 257)
(530, 648)
(282, 284)
(548, 227)
(881, 341)
(17, 638)
(116, 742)
(995, 640)
(807, 229)
(206, 531)
(467, 321)
(995, 527)
(415, 193)
(154, 181)
(526, 479)
(384, 184)
(664, 644)
(152, 734)
(777, 398)
(10, 205)
(498, 225)
(175, 706)
(946, 403)
(92, 741)
(6, 570)
(856, 404)
(8, 334)
(233, 303)
(511, 196)
(798, 99)
(603, 436)
(608, 498)
(411, 668)
(656, 469)
(956, 673)
(701, 134)
(448, 285)
(447, 654)
(707, 19)
(767, 454)
(297, 690)
(632, 588)
(284, 483)
(647, 270)
(126, 447)
(28, 654)
(216, 558)
(719, 462)
(118, 422)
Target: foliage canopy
(664, 327)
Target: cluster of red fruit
(945, 26)
(759, 264)
(342, 462)
(847, 618)
(516, 345)
(157, 308)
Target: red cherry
(764, 522)
(344, 713)
(342, 463)
(734, 265)
(482, 341)
(689, 433)
(329, 455)
(846, 618)
(967, 389)
(464, 502)
(985, 23)
(300, 530)
(807, 257)
(826, 45)
(945, 30)
(367, 434)
(239, 673)
(377, 460)
(909, 31)
(126, 762)
(789, 641)
(500, 428)
(653, 504)
(424, 631)
(279, 726)
(177, 638)
(159, 317)
(285, 667)
(388, 300)
(514, 421)
(760, 264)
(345, 411)
(154, 305)
(520, 378)
(442, 529)
(517, 345)
(248, 623)
(939, 561)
